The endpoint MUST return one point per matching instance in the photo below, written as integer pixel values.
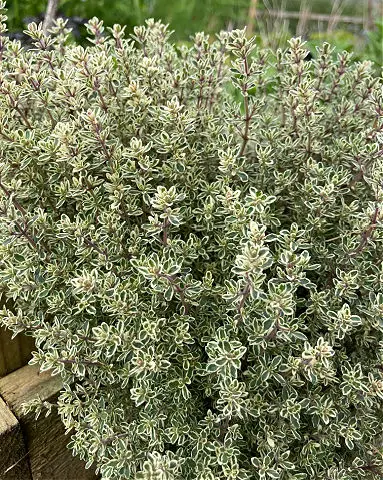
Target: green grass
(189, 16)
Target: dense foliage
(206, 276)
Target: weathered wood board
(14, 463)
(45, 441)
(14, 353)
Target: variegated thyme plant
(206, 275)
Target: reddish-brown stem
(177, 289)
(69, 361)
(21, 209)
(274, 331)
(96, 247)
(245, 135)
(165, 232)
(23, 116)
(15, 202)
(367, 234)
(244, 294)
(104, 105)
(9, 139)
(26, 235)
(108, 440)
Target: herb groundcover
(193, 237)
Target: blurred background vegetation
(353, 25)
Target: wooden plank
(320, 17)
(45, 439)
(10, 358)
(13, 457)
(26, 384)
(27, 345)
(14, 353)
(251, 17)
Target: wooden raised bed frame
(34, 449)
(14, 353)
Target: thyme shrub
(205, 275)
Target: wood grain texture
(45, 440)
(14, 353)
(13, 457)
(26, 384)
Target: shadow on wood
(14, 353)
(14, 463)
